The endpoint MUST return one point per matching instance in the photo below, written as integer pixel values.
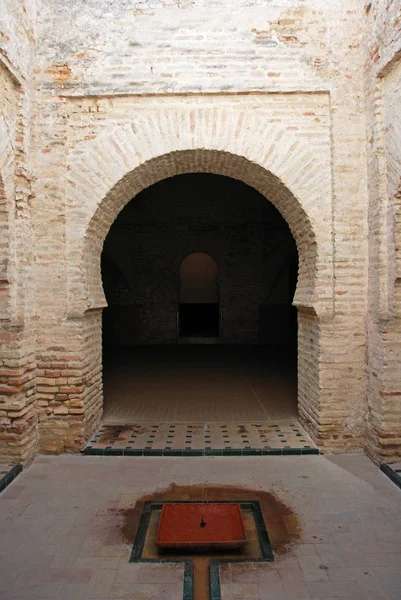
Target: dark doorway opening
(199, 272)
(199, 320)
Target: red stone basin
(201, 526)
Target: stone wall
(245, 234)
(383, 93)
(130, 94)
(281, 97)
(18, 417)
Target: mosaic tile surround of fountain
(181, 439)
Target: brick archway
(199, 161)
(119, 164)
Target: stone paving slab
(65, 529)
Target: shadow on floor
(193, 384)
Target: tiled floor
(199, 384)
(278, 435)
(396, 467)
(393, 471)
(67, 525)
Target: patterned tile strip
(393, 472)
(7, 474)
(217, 439)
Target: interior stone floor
(67, 525)
(199, 384)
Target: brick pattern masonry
(300, 101)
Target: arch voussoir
(164, 143)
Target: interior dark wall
(237, 226)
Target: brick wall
(272, 95)
(278, 96)
(18, 415)
(198, 46)
(383, 122)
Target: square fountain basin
(180, 526)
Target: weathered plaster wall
(18, 417)
(383, 107)
(119, 84)
(133, 47)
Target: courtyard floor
(67, 526)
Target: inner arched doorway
(198, 310)
(153, 271)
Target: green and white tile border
(7, 474)
(90, 451)
(392, 473)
